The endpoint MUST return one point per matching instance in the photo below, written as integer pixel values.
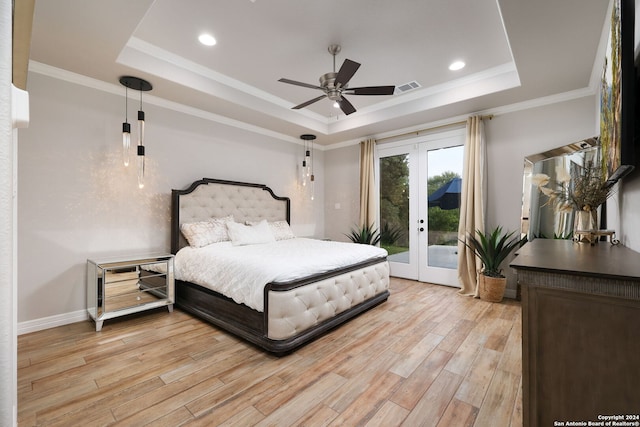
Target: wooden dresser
(580, 332)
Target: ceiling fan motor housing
(327, 82)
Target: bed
(292, 310)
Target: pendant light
(140, 85)
(126, 130)
(307, 163)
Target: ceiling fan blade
(293, 82)
(304, 104)
(347, 70)
(346, 107)
(371, 90)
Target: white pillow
(203, 233)
(280, 229)
(241, 234)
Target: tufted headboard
(212, 198)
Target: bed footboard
(296, 310)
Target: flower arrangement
(583, 190)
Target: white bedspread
(241, 272)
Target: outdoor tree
(394, 195)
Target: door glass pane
(444, 168)
(394, 207)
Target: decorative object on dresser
(539, 218)
(242, 282)
(580, 323)
(126, 285)
(582, 192)
(492, 249)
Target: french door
(419, 199)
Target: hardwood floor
(427, 357)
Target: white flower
(540, 179)
(548, 192)
(562, 175)
(565, 207)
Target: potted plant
(492, 249)
(366, 234)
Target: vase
(585, 224)
(585, 220)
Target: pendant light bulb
(126, 142)
(304, 173)
(140, 166)
(140, 127)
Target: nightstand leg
(99, 325)
(170, 308)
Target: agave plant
(366, 234)
(389, 234)
(493, 248)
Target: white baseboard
(52, 322)
(510, 293)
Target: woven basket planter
(491, 288)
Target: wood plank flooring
(426, 357)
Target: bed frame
(294, 312)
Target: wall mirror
(540, 220)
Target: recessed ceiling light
(457, 65)
(207, 39)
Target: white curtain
(472, 204)
(367, 183)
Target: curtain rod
(418, 132)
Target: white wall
(78, 201)
(628, 207)
(511, 136)
(8, 343)
(342, 189)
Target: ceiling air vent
(407, 87)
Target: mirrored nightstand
(121, 286)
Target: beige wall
(342, 189)
(77, 201)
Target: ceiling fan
(335, 85)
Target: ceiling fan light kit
(335, 85)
